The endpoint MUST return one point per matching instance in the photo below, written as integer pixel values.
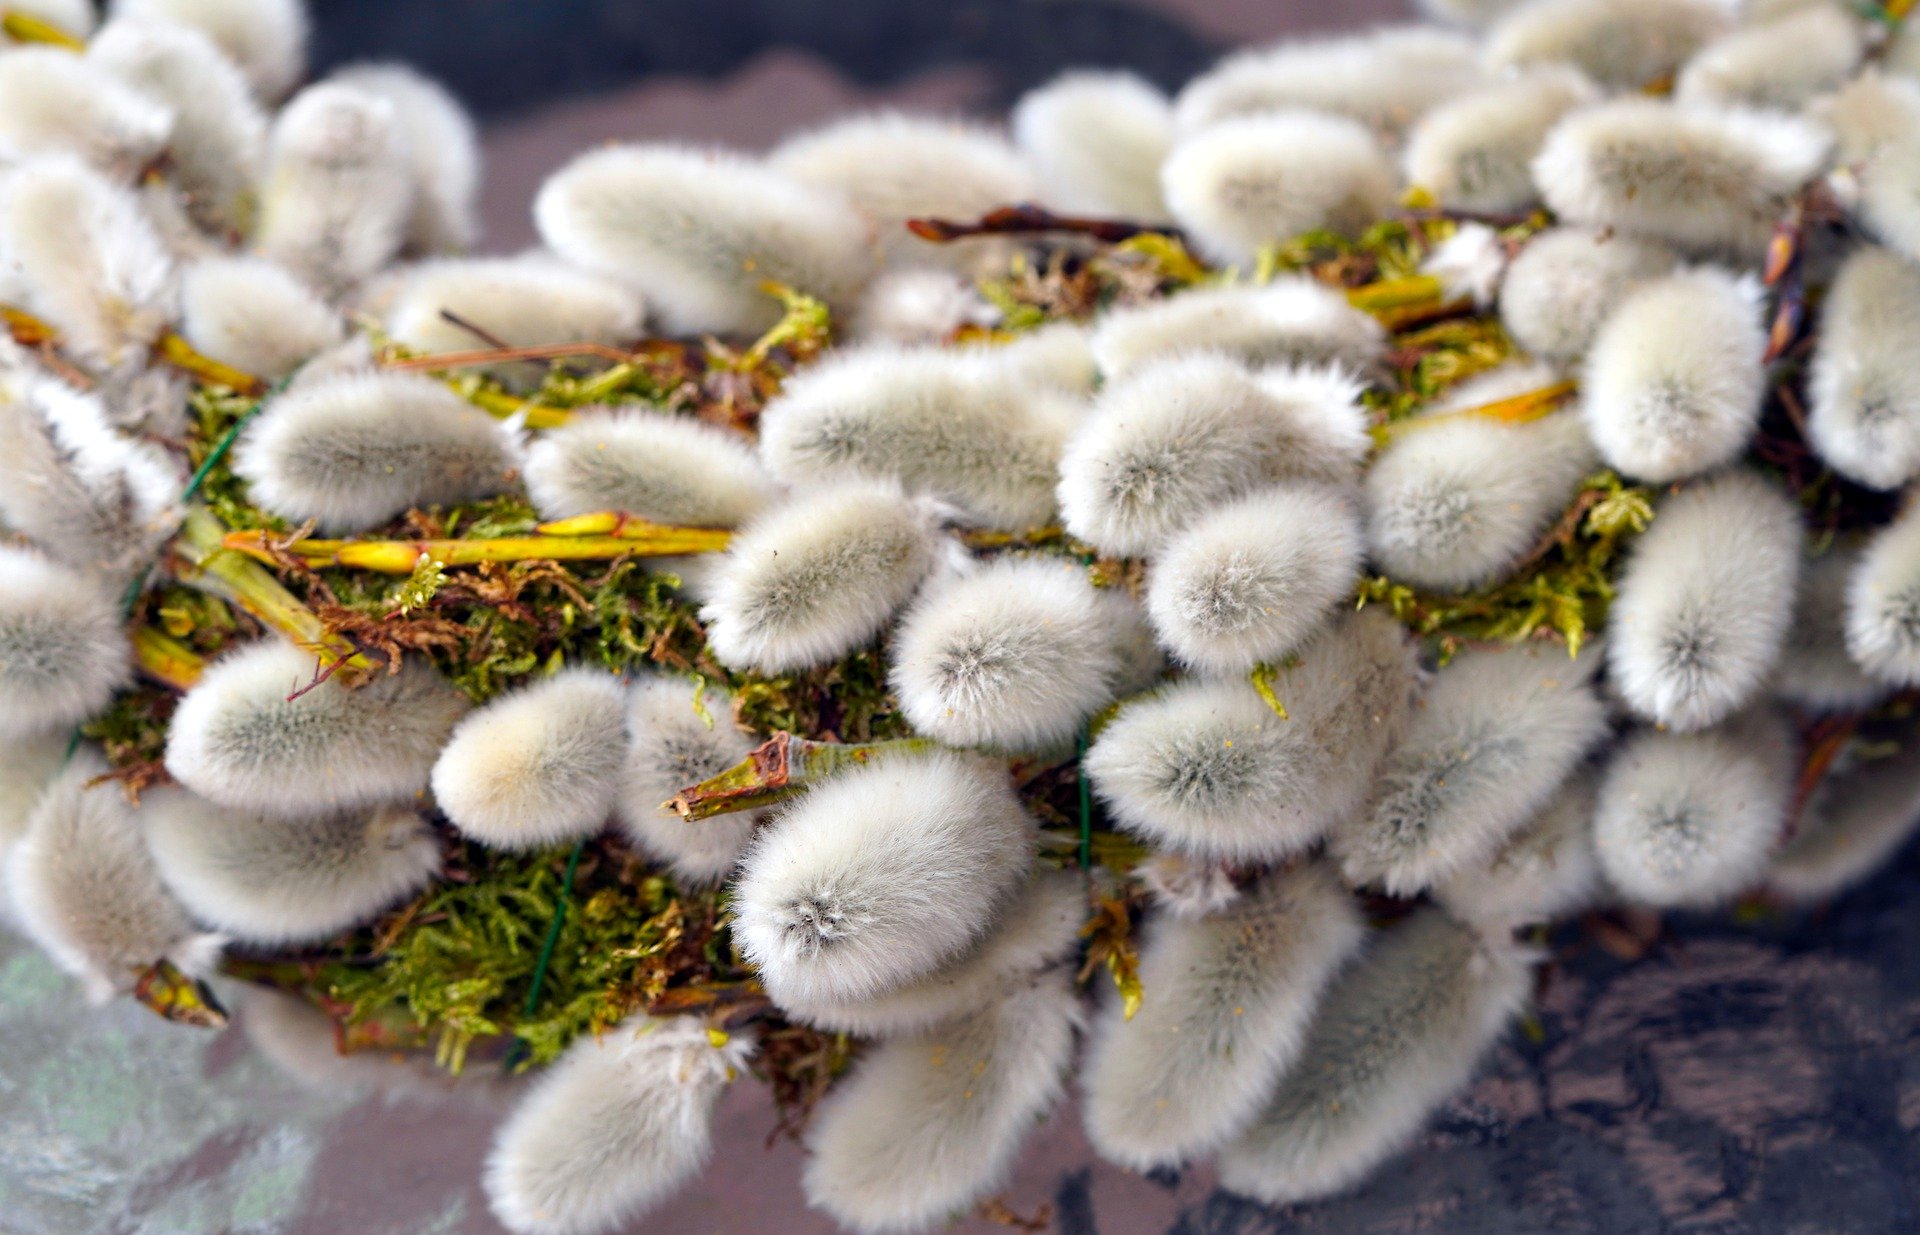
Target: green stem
(1086, 803)
(547, 947)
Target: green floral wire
(547, 948)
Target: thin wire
(1086, 805)
(545, 960)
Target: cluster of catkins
(160, 192)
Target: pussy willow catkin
(938, 614)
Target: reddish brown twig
(1027, 218)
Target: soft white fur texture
(1883, 603)
(54, 102)
(670, 469)
(1864, 417)
(1851, 827)
(1475, 152)
(1621, 44)
(1565, 283)
(1096, 140)
(1781, 63)
(252, 314)
(1290, 321)
(443, 153)
(1545, 872)
(675, 740)
(63, 646)
(1816, 672)
(266, 38)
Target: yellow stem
(780, 768)
(179, 353)
(399, 557)
(624, 526)
(205, 561)
(26, 28)
(26, 329)
(498, 403)
(1519, 409)
(166, 659)
(1409, 291)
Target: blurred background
(1714, 1077)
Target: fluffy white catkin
(1014, 656)
(54, 102)
(353, 451)
(927, 1125)
(1702, 178)
(880, 876)
(443, 151)
(1291, 320)
(620, 1122)
(810, 581)
(81, 884)
(260, 878)
(1039, 929)
(676, 739)
(1243, 183)
(1815, 672)
(1703, 604)
(892, 167)
(1883, 603)
(338, 195)
(63, 648)
(1456, 503)
(1385, 79)
(251, 313)
(1546, 871)
(86, 259)
(1226, 1004)
(1689, 819)
(1857, 820)
(1864, 417)
(1495, 734)
(1780, 64)
(1476, 152)
(1621, 44)
(1210, 770)
(938, 421)
(1397, 1035)
(670, 469)
(28, 765)
(1674, 381)
(918, 306)
(217, 146)
(538, 766)
(1565, 283)
(1253, 579)
(266, 38)
(698, 231)
(1173, 439)
(240, 739)
(1096, 140)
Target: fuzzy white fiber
(443, 150)
(251, 313)
(354, 451)
(669, 469)
(1815, 672)
(880, 876)
(1226, 1004)
(1385, 79)
(811, 580)
(1889, 192)
(525, 301)
(918, 306)
(1872, 112)
(1472, 13)
(95, 498)
(698, 231)
(1014, 656)
(1057, 355)
(1169, 441)
(1096, 140)
(1675, 379)
(1291, 320)
(54, 102)
(338, 196)
(927, 1125)
(1476, 152)
(1566, 282)
(1457, 504)
(1780, 63)
(1188, 888)
(1851, 826)
(1690, 819)
(1038, 929)
(28, 765)
(86, 259)
(676, 739)
(1546, 871)
(63, 647)
(1865, 392)
(893, 167)
(1704, 602)
(1699, 177)
(1210, 770)
(1253, 579)
(81, 884)
(266, 38)
(260, 878)
(1494, 736)
(538, 766)
(620, 1122)
(238, 739)
(1883, 603)
(1620, 44)
(936, 420)
(1398, 1034)
(218, 141)
(1243, 183)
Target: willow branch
(780, 768)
